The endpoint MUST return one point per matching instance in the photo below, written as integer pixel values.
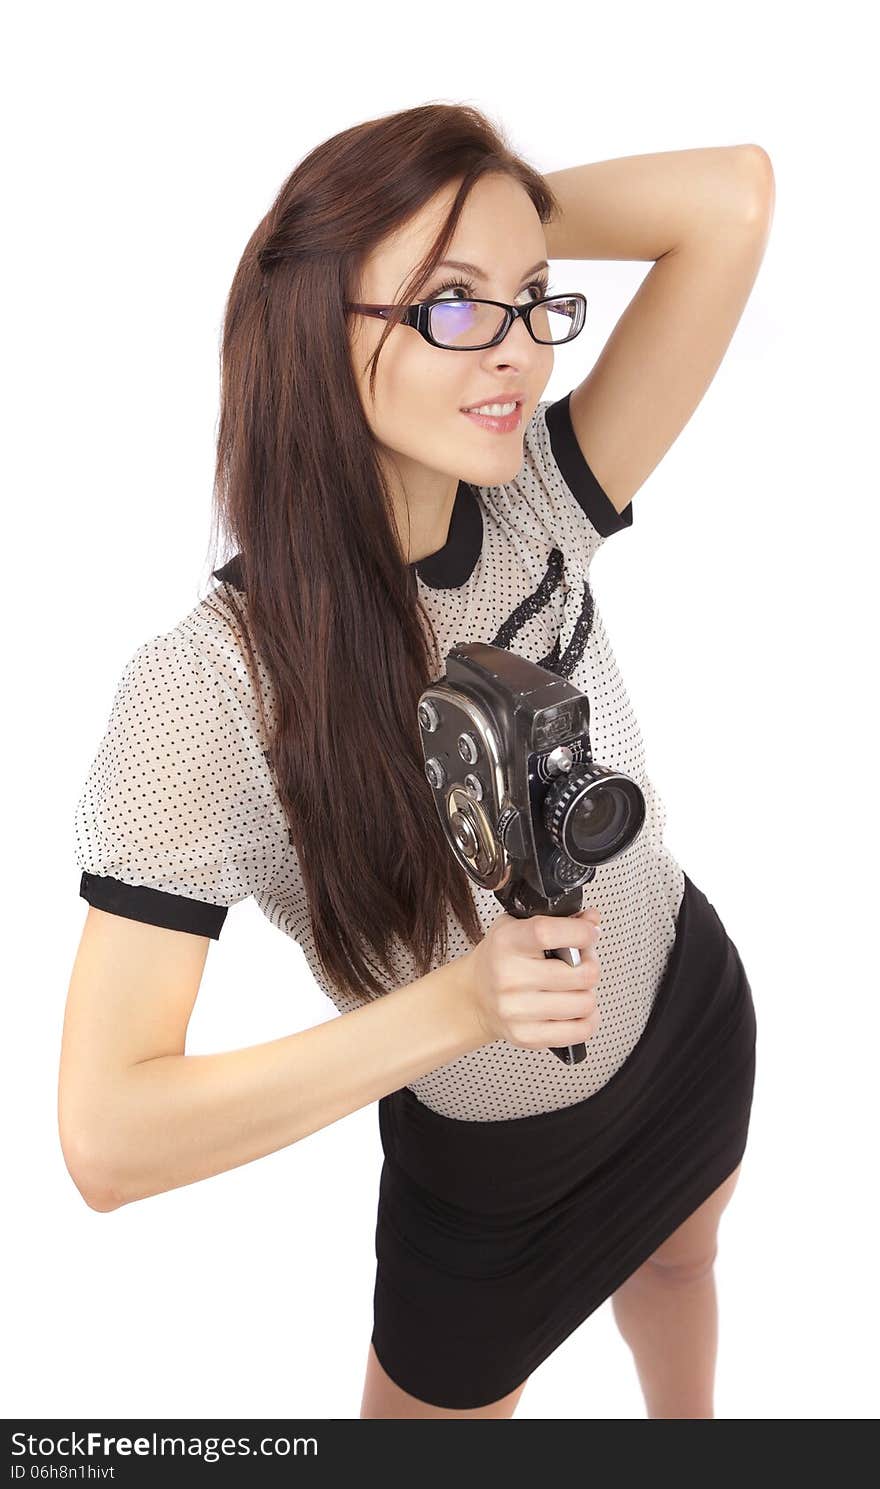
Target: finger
(558, 1033)
(579, 1004)
(558, 977)
(556, 932)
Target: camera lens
(593, 820)
(597, 818)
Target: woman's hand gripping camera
(527, 998)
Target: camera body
(526, 809)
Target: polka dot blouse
(179, 819)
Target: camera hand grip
(570, 1054)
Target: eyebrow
(478, 273)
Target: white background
(143, 144)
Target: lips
(505, 424)
(511, 397)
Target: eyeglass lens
(474, 323)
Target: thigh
(694, 1242)
(383, 1398)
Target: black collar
(448, 568)
(452, 565)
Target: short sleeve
(178, 818)
(560, 487)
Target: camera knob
(559, 761)
(429, 716)
(512, 833)
(468, 748)
(435, 771)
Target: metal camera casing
(507, 753)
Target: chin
(499, 471)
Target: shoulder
(558, 456)
(178, 803)
(201, 660)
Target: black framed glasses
(472, 325)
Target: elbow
(101, 1199)
(761, 192)
(90, 1176)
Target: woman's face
(423, 435)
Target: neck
(422, 510)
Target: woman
(268, 746)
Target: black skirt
(495, 1240)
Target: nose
(518, 345)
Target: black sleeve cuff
(154, 906)
(568, 455)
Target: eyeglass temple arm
(380, 310)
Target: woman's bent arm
(173, 1119)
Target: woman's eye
(467, 291)
(448, 289)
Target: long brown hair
(333, 611)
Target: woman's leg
(382, 1398)
(667, 1312)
